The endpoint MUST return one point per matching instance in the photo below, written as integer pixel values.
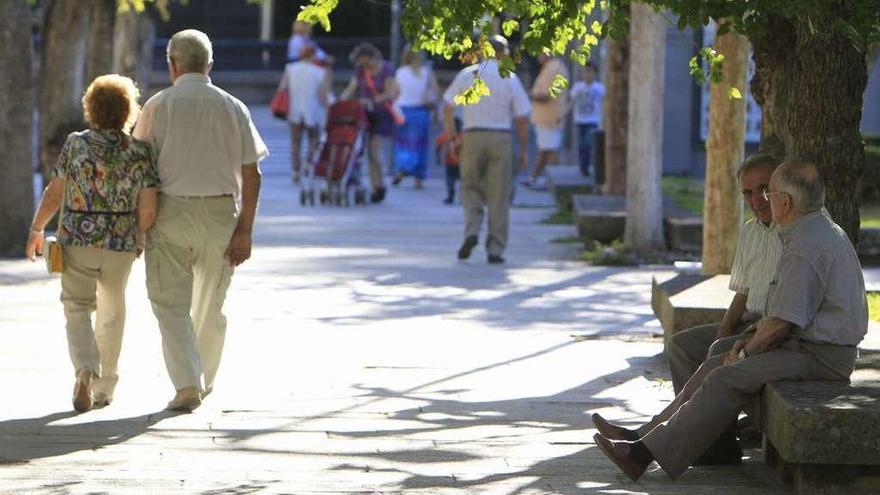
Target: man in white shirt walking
(208, 149)
(486, 154)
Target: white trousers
(187, 279)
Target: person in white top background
(301, 35)
(208, 152)
(308, 85)
(586, 96)
(417, 93)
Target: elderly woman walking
(105, 184)
(373, 84)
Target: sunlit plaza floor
(361, 357)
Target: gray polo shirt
(818, 284)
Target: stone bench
(603, 219)
(565, 181)
(688, 300)
(825, 436)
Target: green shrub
(614, 254)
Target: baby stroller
(338, 158)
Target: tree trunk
(810, 91)
(133, 46)
(725, 149)
(99, 53)
(62, 77)
(615, 111)
(644, 160)
(16, 123)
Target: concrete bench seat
(686, 300)
(603, 218)
(825, 436)
(565, 181)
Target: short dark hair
(757, 160)
(365, 49)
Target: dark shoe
(82, 394)
(396, 180)
(613, 432)
(378, 195)
(464, 252)
(620, 454)
(495, 259)
(448, 201)
(726, 451)
(749, 433)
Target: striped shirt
(758, 249)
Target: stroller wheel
(312, 197)
(337, 197)
(324, 196)
(303, 196)
(360, 196)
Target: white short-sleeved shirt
(587, 99)
(304, 80)
(507, 99)
(758, 250)
(202, 136)
(412, 87)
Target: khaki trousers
(687, 349)
(187, 279)
(715, 394)
(486, 176)
(378, 156)
(94, 280)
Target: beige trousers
(378, 157)
(486, 176)
(94, 280)
(187, 279)
(715, 394)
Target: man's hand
(239, 249)
(733, 356)
(34, 245)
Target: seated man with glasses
(757, 252)
(816, 315)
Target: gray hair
(801, 180)
(756, 161)
(191, 50)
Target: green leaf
(558, 85)
(596, 27)
(472, 95)
(734, 93)
(509, 27)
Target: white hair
(191, 50)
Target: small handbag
(53, 251)
(280, 103)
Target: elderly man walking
(208, 150)
(486, 152)
(816, 316)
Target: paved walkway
(361, 357)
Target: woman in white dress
(308, 85)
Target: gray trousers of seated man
(716, 393)
(686, 350)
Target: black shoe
(447, 201)
(464, 252)
(726, 451)
(378, 195)
(495, 259)
(397, 179)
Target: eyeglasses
(766, 194)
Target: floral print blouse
(104, 175)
